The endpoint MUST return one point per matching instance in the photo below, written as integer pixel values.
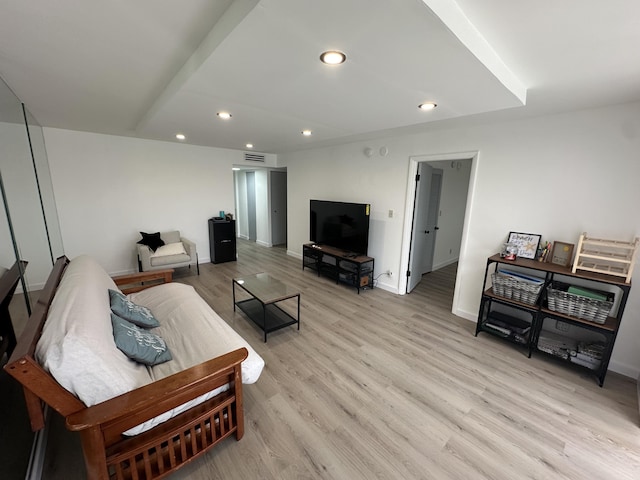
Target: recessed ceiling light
(224, 115)
(306, 133)
(427, 106)
(180, 136)
(332, 57)
(249, 145)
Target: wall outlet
(389, 273)
(390, 213)
(562, 326)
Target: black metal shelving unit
(540, 312)
(341, 266)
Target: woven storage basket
(508, 287)
(578, 306)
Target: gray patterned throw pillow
(139, 344)
(136, 314)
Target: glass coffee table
(265, 292)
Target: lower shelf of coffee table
(268, 317)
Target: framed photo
(562, 253)
(527, 243)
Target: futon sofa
(135, 420)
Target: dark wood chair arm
(135, 280)
(135, 407)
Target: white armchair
(176, 252)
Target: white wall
(556, 175)
(109, 188)
(345, 174)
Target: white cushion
(77, 345)
(193, 331)
(169, 249)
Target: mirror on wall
(29, 235)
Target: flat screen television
(340, 224)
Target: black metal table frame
(265, 311)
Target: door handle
(436, 228)
(427, 231)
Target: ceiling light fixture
(427, 106)
(249, 145)
(332, 57)
(224, 115)
(180, 136)
(306, 133)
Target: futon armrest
(133, 282)
(135, 407)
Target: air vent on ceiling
(254, 157)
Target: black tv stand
(342, 266)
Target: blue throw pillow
(136, 314)
(139, 344)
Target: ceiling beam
(229, 20)
(454, 18)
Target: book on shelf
(508, 323)
(585, 292)
(521, 276)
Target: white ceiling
(153, 68)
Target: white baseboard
(389, 287)
(624, 369)
(471, 316)
(294, 254)
(264, 244)
(445, 264)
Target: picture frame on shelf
(562, 253)
(527, 243)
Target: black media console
(344, 267)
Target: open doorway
(261, 205)
(437, 207)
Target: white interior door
(420, 218)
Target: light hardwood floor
(396, 387)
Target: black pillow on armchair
(151, 240)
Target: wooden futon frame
(152, 454)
